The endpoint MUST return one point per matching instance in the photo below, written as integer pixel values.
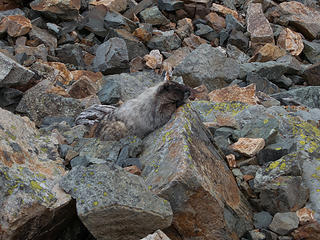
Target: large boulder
(30, 168)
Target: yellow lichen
(95, 203)
(35, 185)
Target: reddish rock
(201, 93)
(215, 21)
(311, 75)
(143, 34)
(309, 231)
(133, 169)
(82, 88)
(306, 20)
(248, 146)
(268, 52)
(235, 93)
(231, 159)
(193, 41)
(64, 75)
(305, 216)
(95, 77)
(258, 26)
(114, 5)
(291, 41)
(153, 59)
(224, 11)
(247, 177)
(16, 25)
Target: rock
(248, 146)
(111, 57)
(9, 98)
(262, 84)
(11, 12)
(165, 41)
(312, 51)
(256, 235)
(205, 32)
(143, 32)
(284, 223)
(158, 235)
(30, 54)
(184, 28)
(193, 41)
(94, 21)
(311, 74)
(235, 93)
(305, 216)
(172, 175)
(258, 26)
(268, 52)
(12, 73)
(117, 21)
(237, 54)
(169, 5)
(43, 36)
(233, 23)
(66, 10)
(154, 59)
(215, 21)
(262, 220)
(291, 41)
(82, 88)
(114, 5)
(310, 231)
(209, 66)
(238, 39)
(16, 25)
(30, 167)
(114, 196)
(306, 20)
(70, 53)
(153, 16)
(225, 11)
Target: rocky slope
(240, 160)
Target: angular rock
(249, 146)
(284, 223)
(171, 175)
(209, 66)
(111, 57)
(70, 53)
(238, 39)
(290, 41)
(225, 11)
(262, 84)
(153, 59)
(43, 36)
(114, 5)
(165, 41)
(235, 93)
(154, 16)
(258, 26)
(262, 220)
(310, 231)
(215, 21)
(311, 74)
(268, 52)
(170, 5)
(110, 201)
(312, 51)
(30, 167)
(158, 235)
(205, 32)
(12, 73)
(16, 25)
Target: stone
(205, 32)
(94, 21)
(193, 41)
(184, 133)
(153, 16)
(209, 66)
(169, 5)
(143, 32)
(114, 5)
(290, 41)
(305, 216)
(15, 25)
(31, 167)
(268, 52)
(70, 54)
(43, 36)
(225, 11)
(311, 74)
(215, 21)
(66, 10)
(262, 220)
(113, 196)
(309, 231)
(11, 12)
(312, 51)
(184, 28)
(238, 39)
(249, 146)
(262, 84)
(175, 59)
(165, 41)
(82, 88)
(237, 54)
(158, 235)
(284, 223)
(153, 59)
(258, 26)
(9, 98)
(12, 73)
(231, 160)
(111, 57)
(117, 21)
(305, 19)
(235, 93)
(39, 52)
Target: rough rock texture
(290, 41)
(249, 146)
(115, 5)
(311, 74)
(268, 52)
(15, 25)
(110, 202)
(30, 168)
(205, 201)
(209, 66)
(283, 223)
(158, 235)
(312, 51)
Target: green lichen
(166, 136)
(95, 203)
(35, 186)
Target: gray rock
(262, 83)
(256, 235)
(70, 53)
(284, 223)
(166, 41)
(249, 170)
(170, 5)
(233, 23)
(153, 16)
(209, 66)
(238, 39)
(43, 36)
(94, 21)
(237, 54)
(12, 73)
(10, 98)
(206, 32)
(312, 51)
(112, 57)
(116, 20)
(262, 219)
(11, 12)
(107, 197)
(110, 93)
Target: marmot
(139, 116)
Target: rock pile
(239, 160)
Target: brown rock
(95, 77)
(231, 159)
(268, 52)
(258, 26)
(306, 20)
(114, 5)
(215, 21)
(16, 25)
(201, 93)
(143, 34)
(291, 41)
(82, 88)
(235, 93)
(136, 64)
(309, 231)
(311, 75)
(133, 169)
(153, 59)
(9, 4)
(247, 177)
(176, 57)
(248, 146)
(193, 41)
(305, 216)
(64, 75)
(184, 28)
(224, 11)
(43, 36)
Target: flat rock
(284, 223)
(209, 66)
(154, 16)
(43, 36)
(107, 197)
(311, 74)
(262, 219)
(291, 41)
(268, 52)
(249, 146)
(215, 21)
(31, 168)
(312, 51)
(165, 41)
(15, 25)
(114, 5)
(225, 11)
